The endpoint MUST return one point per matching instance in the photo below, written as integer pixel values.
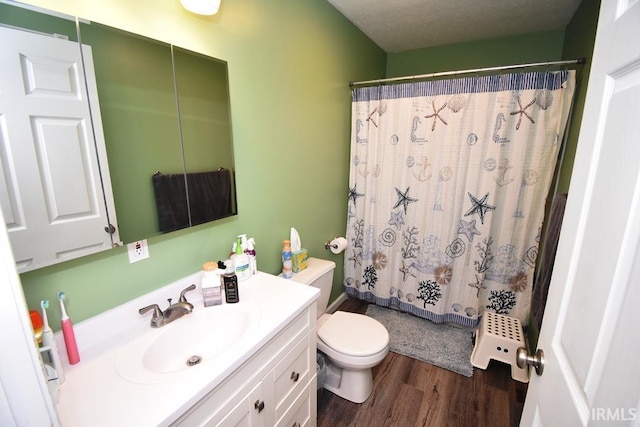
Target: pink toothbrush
(67, 332)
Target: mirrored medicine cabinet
(162, 114)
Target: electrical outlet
(138, 251)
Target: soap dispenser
(240, 262)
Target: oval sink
(163, 353)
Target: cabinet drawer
(299, 414)
(291, 375)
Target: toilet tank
(319, 274)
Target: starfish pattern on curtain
(447, 188)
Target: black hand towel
(209, 198)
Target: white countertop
(95, 394)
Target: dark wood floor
(408, 392)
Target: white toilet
(353, 343)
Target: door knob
(537, 360)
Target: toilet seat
(354, 334)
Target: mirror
(162, 109)
(205, 123)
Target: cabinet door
(255, 410)
(240, 416)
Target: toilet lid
(354, 334)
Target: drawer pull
(296, 424)
(259, 405)
(295, 376)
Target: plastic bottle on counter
(287, 263)
(240, 262)
(230, 281)
(251, 252)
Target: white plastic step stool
(498, 338)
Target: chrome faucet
(171, 313)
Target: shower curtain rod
(474, 70)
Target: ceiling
(399, 25)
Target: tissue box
(299, 259)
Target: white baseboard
(335, 304)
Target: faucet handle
(157, 318)
(184, 291)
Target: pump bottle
(240, 262)
(230, 281)
(251, 252)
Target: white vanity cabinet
(264, 376)
(275, 387)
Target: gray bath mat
(441, 345)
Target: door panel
(51, 185)
(65, 169)
(588, 335)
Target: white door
(50, 186)
(24, 395)
(589, 335)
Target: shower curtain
(447, 188)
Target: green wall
(521, 49)
(579, 40)
(289, 67)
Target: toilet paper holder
(337, 245)
(328, 245)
